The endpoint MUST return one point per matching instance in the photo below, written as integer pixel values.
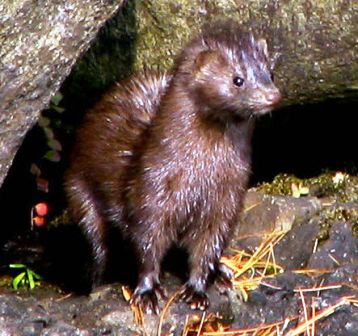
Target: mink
(165, 158)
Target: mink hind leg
(151, 247)
(85, 209)
(204, 263)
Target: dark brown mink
(166, 159)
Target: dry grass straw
(308, 325)
(311, 316)
(248, 269)
(137, 311)
(196, 325)
(165, 311)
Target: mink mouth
(264, 109)
(255, 111)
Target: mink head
(228, 72)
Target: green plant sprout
(27, 278)
(299, 190)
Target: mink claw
(161, 292)
(148, 300)
(223, 279)
(197, 300)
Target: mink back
(105, 143)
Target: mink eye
(272, 76)
(238, 81)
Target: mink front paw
(223, 278)
(194, 298)
(147, 300)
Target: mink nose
(273, 97)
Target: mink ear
(273, 59)
(205, 57)
(263, 46)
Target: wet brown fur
(166, 157)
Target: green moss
(339, 186)
(281, 185)
(343, 187)
(5, 281)
(339, 213)
(355, 229)
(62, 219)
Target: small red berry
(39, 221)
(41, 209)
